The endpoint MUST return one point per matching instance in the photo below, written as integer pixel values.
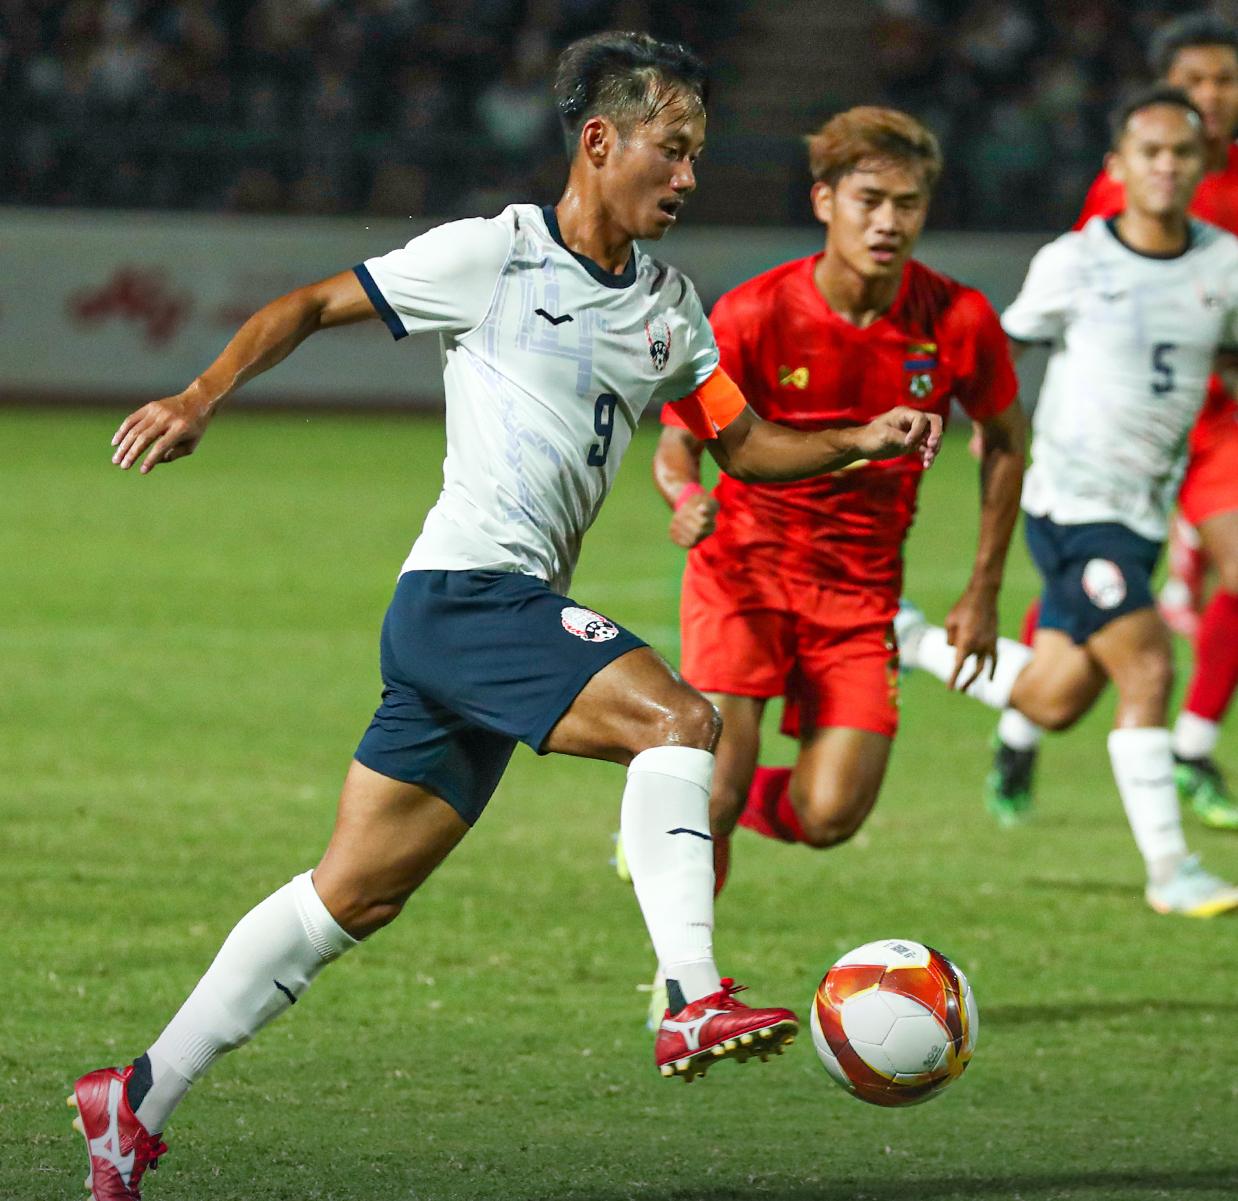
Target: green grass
(186, 662)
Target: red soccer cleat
(720, 1027)
(119, 1147)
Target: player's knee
(1058, 714)
(691, 720)
(830, 818)
(1147, 679)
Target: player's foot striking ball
(118, 1146)
(1008, 786)
(1201, 785)
(720, 1027)
(894, 1022)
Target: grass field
(186, 663)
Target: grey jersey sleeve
(1041, 310)
(443, 281)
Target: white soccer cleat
(657, 1001)
(1192, 892)
(909, 624)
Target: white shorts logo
(587, 624)
(1104, 583)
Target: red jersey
(800, 364)
(1216, 201)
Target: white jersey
(548, 363)
(1134, 338)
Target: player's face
(653, 170)
(1209, 76)
(874, 215)
(1160, 160)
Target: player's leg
(735, 765)
(1214, 680)
(389, 836)
(637, 711)
(835, 782)
(1181, 596)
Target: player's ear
(822, 196)
(1114, 166)
(597, 137)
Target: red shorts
(831, 652)
(1210, 485)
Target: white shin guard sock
(263, 968)
(1018, 732)
(1144, 769)
(936, 656)
(1195, 737)
(664, 824)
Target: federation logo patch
(793, 379)
(920, 385)
(1104, 583)
(588, 625)
(659, 335)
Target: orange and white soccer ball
(894, 1022)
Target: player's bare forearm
(753, 450)
(172, 427)
(1226, 367)
(677, 474)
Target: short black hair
(1160, 93)
(627, 77)
(1195, 29)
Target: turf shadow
(1083, 1011)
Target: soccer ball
(894, 1022)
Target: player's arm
(677, 475)
(1226, 366)
(172, 427)
(971, 626)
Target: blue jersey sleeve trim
(381, 305)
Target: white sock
(1018, 732)
(936, 656)
(263, 968)
(1144, 769)
(1195, 737)
(664, 824)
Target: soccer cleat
(719, 1027)
(619, 861)
(1201, 784)
(118, 1146)
(1008, 786)
(657, 1001)
(1192, 892)
(909, 624)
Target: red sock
(1031, 619)
(1216, 658)
(722, 862)
(769, 810)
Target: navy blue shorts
(474, 662)
(1093, 573)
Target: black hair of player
(1157, 94)
(1195, 29)
(629, 78)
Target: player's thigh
(1136, 653)
(836, 781)
(389, 836)
(736, 757)
(1060, 683)
(1219, 535)
(634, 703)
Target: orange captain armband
(711, 407)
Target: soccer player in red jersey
(1199, 54)
(792, 589)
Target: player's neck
(1216, 155)
(858, 300)
(588, 230)
(1147, 234)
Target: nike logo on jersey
(553, 320)
(107, 1145)
(691, 1031)
(685, 830)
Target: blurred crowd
(1019, 92)
(400, 107)
(394, 107)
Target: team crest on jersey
(659, 334)
(1104, 583)
(920, 385)
(588, 625)
(921, 361)
(793, 379)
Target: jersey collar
(607, 279)
(1111, 223)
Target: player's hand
(902, 431)
(694, 520)
(171, 428)
(971, 628)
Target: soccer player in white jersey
(557, 332)
(1136, 309)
